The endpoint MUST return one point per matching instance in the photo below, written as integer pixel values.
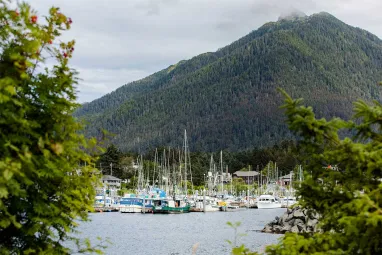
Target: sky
(119, 41)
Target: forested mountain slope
(228, 99)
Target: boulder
(298, 214)
(277, 229)
(284, 218)
(294, 229)
(295, 220)
(286, 228)
(311, 222)
(298, 222)
(267, 229)
(301, 227)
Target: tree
(109, 162)
(348, 196)
(43, 191)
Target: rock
(291, 221)
(273, 222)
(311, 222)
(289, 217)
(286, 228)
(298, 215)
(294, 229)
(277, 229)
(301, 227)
(284, 218)
(267, 229)
(295, 220)
(298, 222)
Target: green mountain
(228, 100)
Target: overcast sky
(119, 41)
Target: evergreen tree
(109, 162)
(342, 181)
(43, 190)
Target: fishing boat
(170, 206)
(130, 205)
(268, 202)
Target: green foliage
(43, 190)
(348, 197)
(227, 99)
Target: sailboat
(268, 199)
(178, 203)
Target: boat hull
(171, 210)
(130, 209)
(268, 205)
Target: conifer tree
(342, 182)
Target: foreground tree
(42, 190)
(347, 196)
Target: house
(111, 181)
(285, 180)
(248, 176)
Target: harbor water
(177, 234)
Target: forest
(227, 100)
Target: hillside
(228, 99)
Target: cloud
(119, 41)
(97, 82)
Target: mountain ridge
(223, 97)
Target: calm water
(177, 234)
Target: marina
(177, 234)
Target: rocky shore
(295, 220)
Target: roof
(287, 176)
(110, 178)
(246, 173)
(266, 196)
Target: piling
(204, 200)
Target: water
(177, 234)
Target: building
(111, 182)
(285, 180)
(249, 177)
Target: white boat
(267, 202)
(288, 201)
(105, 203)
(212, 204)
(130, 205)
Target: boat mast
(185, 161)
(221, 169)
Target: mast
(155, 165)
(185, 161)
(221, 169)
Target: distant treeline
(120, 164)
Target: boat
(130, 205)
(268, 202)
(104, 203)
(288, 201)
(211, 204)
(170, 206)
